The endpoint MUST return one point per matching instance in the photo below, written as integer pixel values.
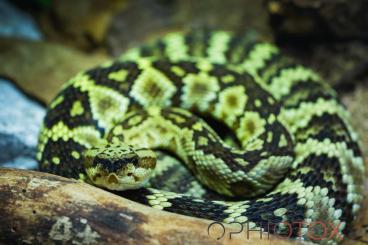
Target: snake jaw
(125, 179)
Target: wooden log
(40, 208)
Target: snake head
(119, 166)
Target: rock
(81, 24)
(150, 19)
(20, 120)
(323, 19)
(356, 102)
(15, 23)
(328, 36)
(40, 68)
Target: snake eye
(129, 174)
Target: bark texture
(40, 208)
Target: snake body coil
(298, 158)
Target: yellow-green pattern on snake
(298, 158)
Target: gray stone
(20, 121)
(15, 23)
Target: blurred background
(45, 42)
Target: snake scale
(295, 156)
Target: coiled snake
(295, 156)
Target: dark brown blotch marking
(232, 101)
(251, 127)
(104, 104)
(199, 88)
(152, 88)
